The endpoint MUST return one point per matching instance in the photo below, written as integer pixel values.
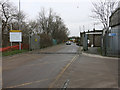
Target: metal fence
(111, 39)
(111, 43)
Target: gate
(34, 42)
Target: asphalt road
(52, 67)
(89, 71)
(35, 70)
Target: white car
(68, 43)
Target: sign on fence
(112, 34)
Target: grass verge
(99, 50)
(8, 53)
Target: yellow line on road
(63, 70)
(24, 84)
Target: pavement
(93, 50)
(91, 72)
(57, 66)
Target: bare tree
(15, 20)
(50, 20)
(33, 27)
(8, 11)
(102, 11)
(60, 31)
(52, 26)
(42, 21)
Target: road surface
(39, 71)
(51, 67)
(89, 71)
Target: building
(93, 38)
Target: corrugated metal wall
(111, 43)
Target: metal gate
(34, 42)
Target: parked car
(68, 43)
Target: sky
(75, 13)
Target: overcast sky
(75, 13)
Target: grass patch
(8, 53)
(99, 50)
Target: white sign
(15, 36)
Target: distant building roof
(93, 32)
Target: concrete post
(85, 42)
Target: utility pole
(80, 29)
(11, 29)
(19, 22)
(83, 28)
(80, 39)
(94, 25)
